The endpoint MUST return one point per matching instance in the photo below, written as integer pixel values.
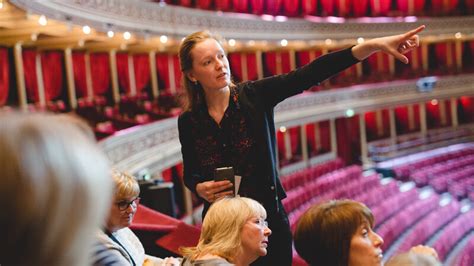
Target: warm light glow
(163, 39)
(42, 20)
(81, 43)
(110, 34)
(127, 35)
(458, 35)
(281, 18)
(232, 42)
(1, 4)
(284, 42)
(350, 113)
(434, 102)
(251, 43)
(34, 37)
(86, 29)
(123, 46)
(283, 129)
(360, 40)
(328, 41)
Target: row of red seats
(300, 178)
(400, 222)
(423, 176)
(391, 206)
(466, 257)
(429, 225)
(453, 233)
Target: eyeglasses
(123, 205)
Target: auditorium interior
(397, 137)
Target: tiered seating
(392, 205)
(377, 194)
(400, 222)
(429, 225)
(302, 177)
(464, 188)
(325, 183)
(453, 233)
(466, 257)
(422, 176)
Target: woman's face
(255, 237)
(365, 249)
(210, 65)
(122, 212)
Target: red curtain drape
(401, 120)
(186, 3)
(79, 68)
(380, 7)
(100, 70)
(470, 5)
(418, 5)
(141, 64)
(273, 7)
(257, 6)
(204, 4)
(52, 68)
(328, 7)
(291, 8)
(325, 133)
(277, 63)
(360, 8)
(379, 65)
(122, 72)
(166, 63)
(241, 6)
(31, 82)
(348, 139)
(223, 5)
(295, 140)
(311, 138)
(4, 76)
(433, 116)
(373, 129)
(467, 109)
(344, 7)
(281, 146)
(236, 64)
(309, 7)
(446, 55)
(443, 7)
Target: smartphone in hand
(225, 173)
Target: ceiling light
(232, 42)
(86, 29)
(127, 35)
(284, 42)
(110, 34)
(163, 39)
(42, 20)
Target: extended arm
(395, 45)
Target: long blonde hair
(222, 227)
(55, 190)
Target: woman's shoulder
(207, 262)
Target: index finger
(411, 33)
(221, 183)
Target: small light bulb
(360, 40)
(110, 34)
(42, 20)
(163, 39)
(284, 42)
(127, 35)
(86, 29)
(232, 42)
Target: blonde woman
(117, 237)
(234, 232)
(55, 190)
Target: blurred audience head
(338, 233)
(418, 256)
(125, 201)
(234, 229)
(55, 190)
